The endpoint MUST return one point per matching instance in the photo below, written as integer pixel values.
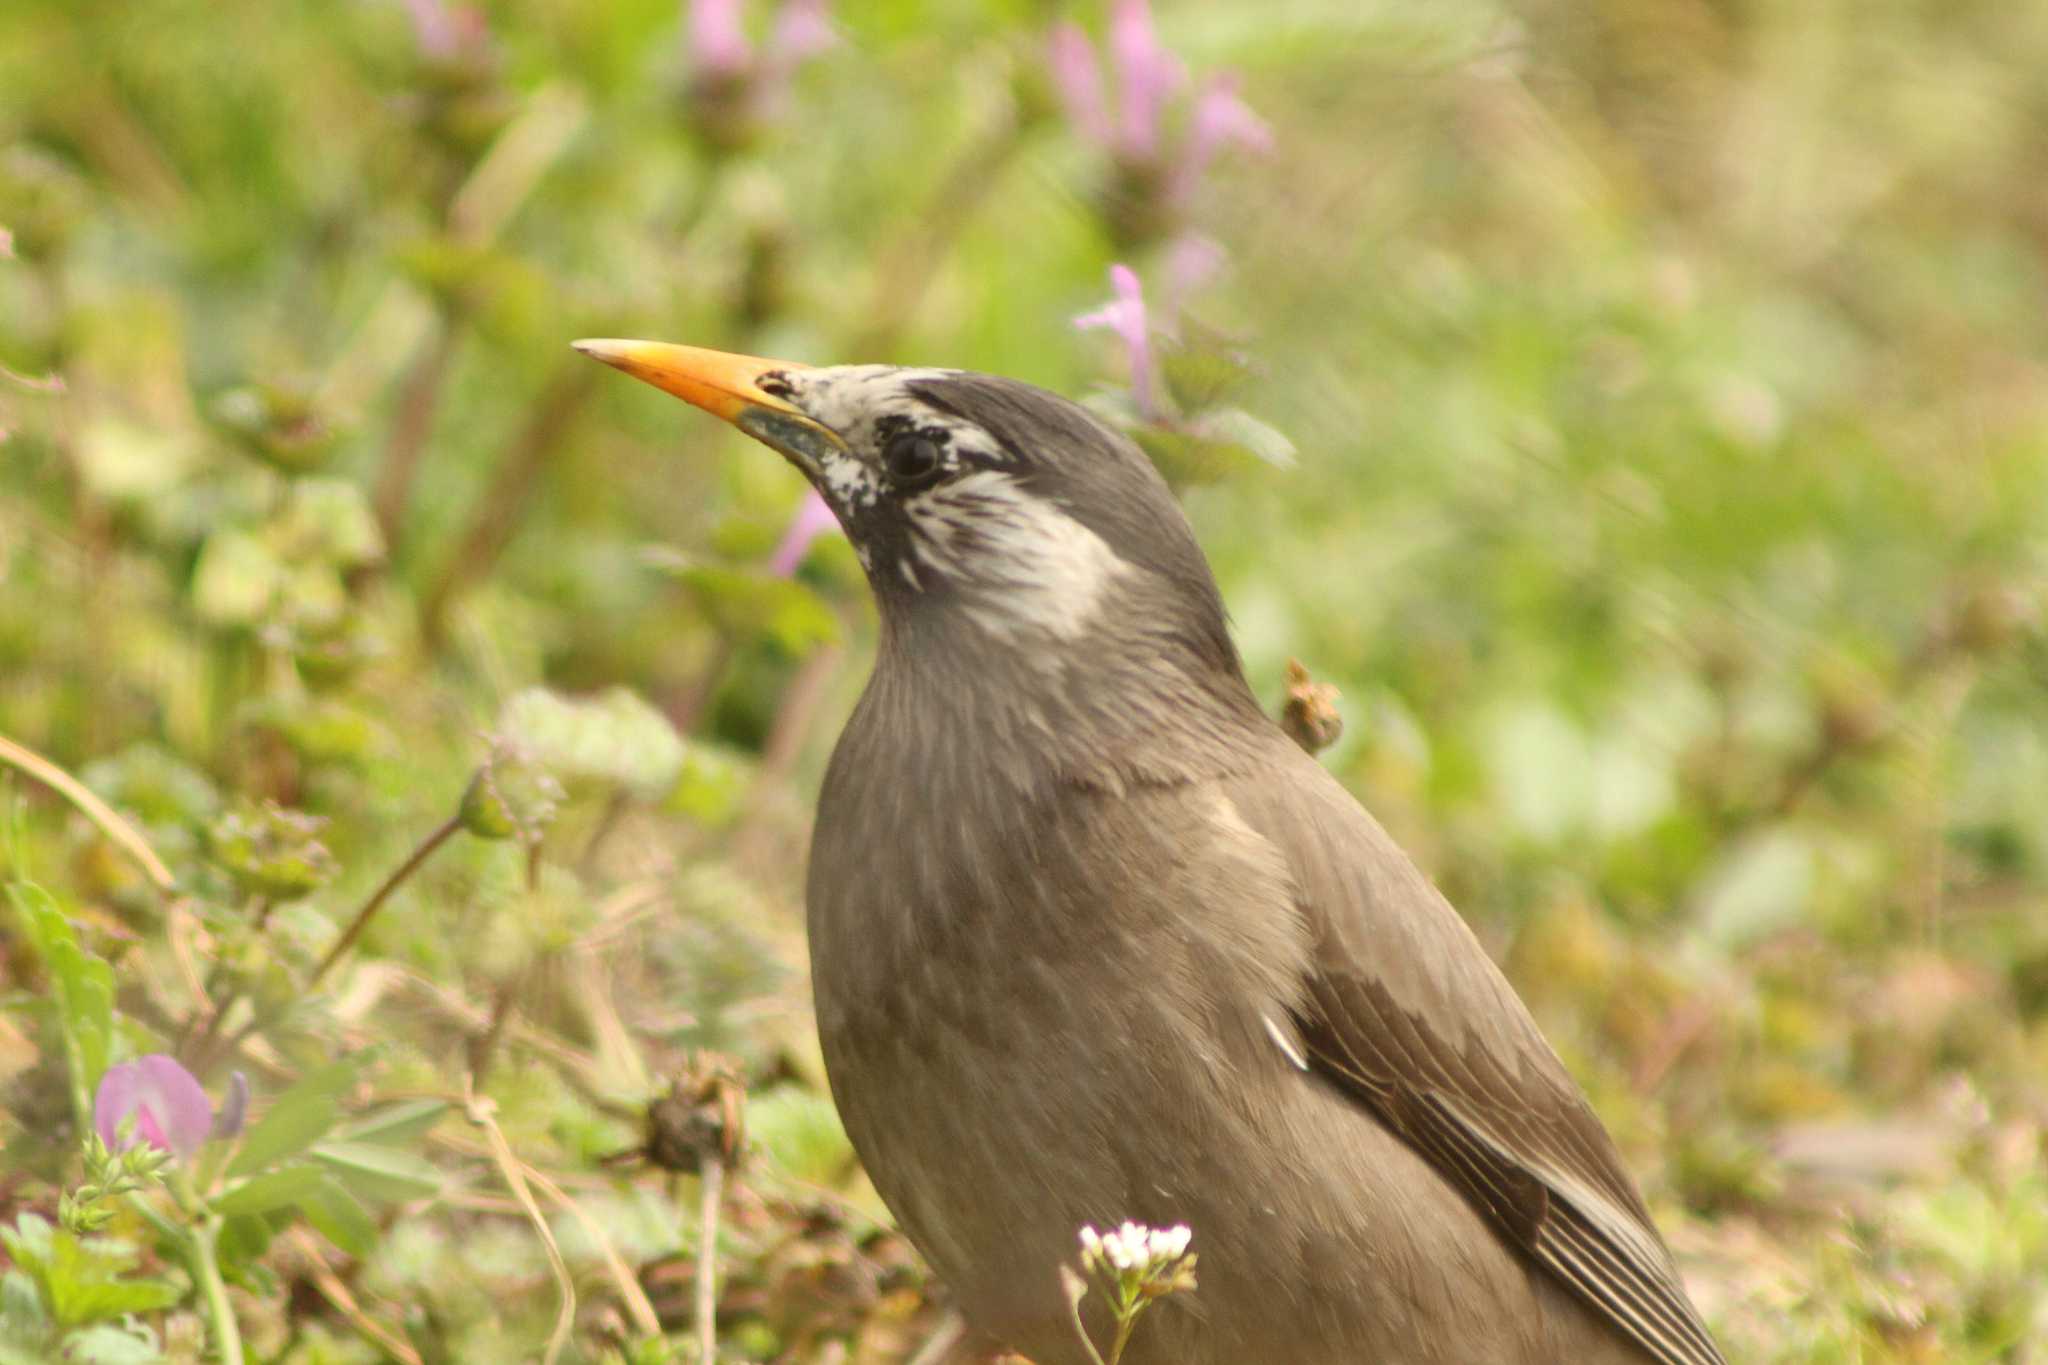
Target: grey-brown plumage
(1093, 941)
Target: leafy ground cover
(1635, 408)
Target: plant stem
(713, 1193)
(1077, 1292)
(227, 1334)
(1124, 1323)
(195, 1244)
(418, 400)
(356, 926)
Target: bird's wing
(1404, 1011)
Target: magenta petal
(718, 45)
(148, 1130)
(171, 1111)
(433, 27)
(1146, 73)
(802, 30)
(1220, 120)
(1071, 61)
(1125, 315)
(116, 1099)
(813, 518)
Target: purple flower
(802, 30)
(1220, 120)
(813, 518)
(1149, 80)
(170, 1110)
(234, 1110)
(1079, 81)
(1126, 316)
(444, 34)
(1147, 77)
(720, 53)
(718, 46)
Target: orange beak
(723, 384)
(728, 386)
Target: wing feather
(1405, 1012)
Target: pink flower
(445, 34)
(720, 51)
(813, 518)
(1079, 81)
(718, 45)
(1125, 315)
(170, 1110)
(1220, 120)
(802, 30)
(1148, 79)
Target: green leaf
(394, 1124)
(380, 1174)
(300, 1117)
(124, 461)
(106, 1344)
(328, 520)
(711, 785)
(800, 1131)
(84, 988)
(745, 603)
(81, 1282)
(244, 1240)
(273, 1189)
(612, 737)
(235, 579)
(336, 1215)
(80, 1301)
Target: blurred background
(1637, 409)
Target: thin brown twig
(441, 834)
(418, 400)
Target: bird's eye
(912, 460)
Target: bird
(1093, 940)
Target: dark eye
(912, 460)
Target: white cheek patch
(849, 483)
(1022, 565)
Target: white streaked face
(936, 505)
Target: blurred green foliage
(1666, 388)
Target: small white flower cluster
(1134, 1248)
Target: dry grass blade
(630, 1293)
(478, 1109)
(108, 819)
(338, 1294)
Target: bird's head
(980, 507)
